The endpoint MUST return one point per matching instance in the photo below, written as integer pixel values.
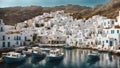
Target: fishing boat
(27, 52)
(93, 56)
(37, 53)
(19, 49)
(12, 57)
(55, 55)
(68, 47)
(46, 50)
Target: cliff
(13, 15)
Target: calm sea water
(50, 3)
(73, 59)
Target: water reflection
(53, 64)
(11, 65)
(76, 58)
(91, 61)
(36, 60)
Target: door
(8, 44)
(3, 44)
(111, 43)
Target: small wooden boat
(55, 55)
(12, 57)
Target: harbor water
(75, 58)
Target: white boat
(68, 47)
(47, 50)
(37, 53)
(27, 52)
(55, 55)
(12, 57)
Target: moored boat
(68, 47)
(55, 55)
(46, 50)
(37, 53)
(27, 52)
(12, 57)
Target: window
(112, 22)
(8, 37)
(14, 38)
(112, 31)
(1, 29)
(104, 24)
(25, 38)
(117, 31)
(3, 44)
(111, 43)
(86, 30)
(17, 42)
(19, 38)
(99, 42)
(106, 41)
(21, 43)
(24, 43)
(67, 36)
(3, 37)
(8, 44)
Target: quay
(51, 45)
(19, 49)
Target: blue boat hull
(42, 55)
(13, 60)
(47, 51)
(57, 58)
(68, 47)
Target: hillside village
(60, 28)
